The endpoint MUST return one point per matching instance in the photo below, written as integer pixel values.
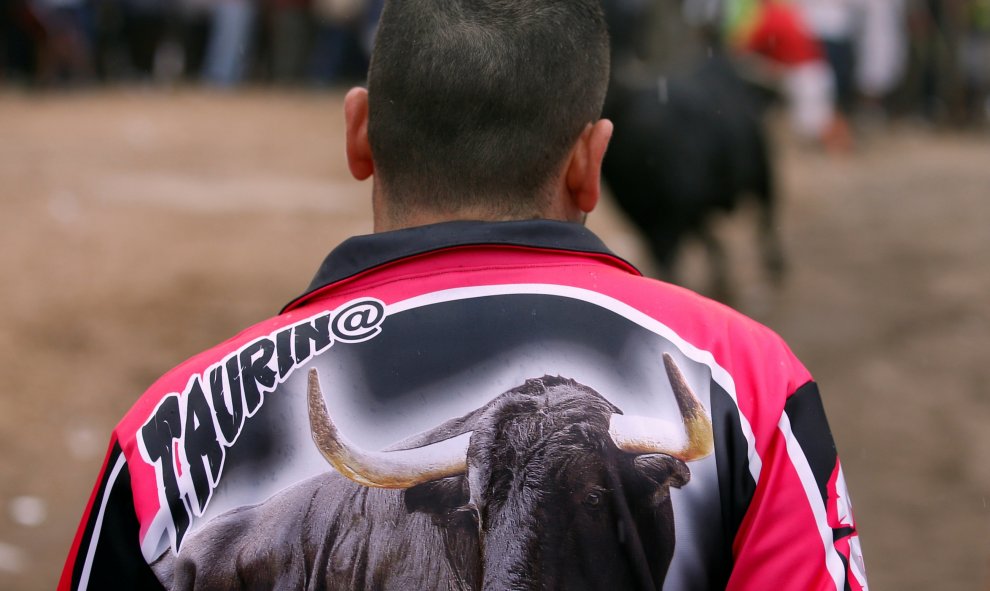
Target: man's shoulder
(755, 355)
(694, 314)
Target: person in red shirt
(780, 36)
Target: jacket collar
(360, 253)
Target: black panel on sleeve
(810, 427)
(736, 484)
(94, 511)
(806, 413)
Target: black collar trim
(360, 253)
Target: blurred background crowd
(829, 59)
(222, 43)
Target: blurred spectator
(70, 38)
(834, 24)
(936, 88)
(974, 57)
(289, 27)
(144, 27)
(21, 35)
(881, 48)
(342, 40)
(790, 53)
(47, 41)
(193, 24)
(111, 56)
(229, 47)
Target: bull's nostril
(594, 499)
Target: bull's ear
(438, 496)
(662, 470)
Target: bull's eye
(594, 499)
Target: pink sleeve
(799, 531)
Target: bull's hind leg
(765, 193)
(773, 253)
(771, 248)
(720, 286)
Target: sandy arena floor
(140, 227)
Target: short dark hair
(476, 103)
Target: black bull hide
(690, 144)
(548, 502)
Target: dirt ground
(140, 227)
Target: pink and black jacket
(477, 406)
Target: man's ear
(584, 170)
(358, 146)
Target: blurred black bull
(685, 148)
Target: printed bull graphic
(548, 486)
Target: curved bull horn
(392, 469)
(644, 435)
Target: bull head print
(561, 490)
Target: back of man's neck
(426, 219)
